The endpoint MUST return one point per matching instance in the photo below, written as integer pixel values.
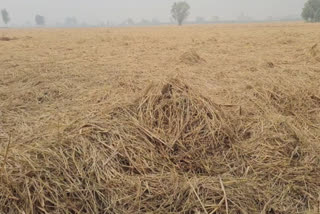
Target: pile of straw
(173, 150)
(191, 57)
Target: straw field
(192, 119)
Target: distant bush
(71, 22)
(40, 20)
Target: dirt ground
(50, 79)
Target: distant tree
(317, 16)
(40, 20)
(5, 16)
(310, 11)
(200, 19)
(70, 22)
(180, 11)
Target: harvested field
(192, 119)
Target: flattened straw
(224, 195)
(266, 206)
(29, 196)
(194, 191)
(218, 207)
(5, 158)
(319, 204)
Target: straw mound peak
(191, 57)
(170, 127)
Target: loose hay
(315, 52)
(191, 57)
(173, 150)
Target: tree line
(39, 20)
(180, 12)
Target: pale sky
(94, 11)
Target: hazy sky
(93, 11)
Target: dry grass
(96, 121)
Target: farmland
(192, 119)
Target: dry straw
(174, 150)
